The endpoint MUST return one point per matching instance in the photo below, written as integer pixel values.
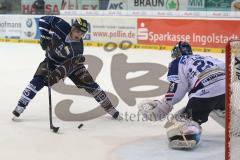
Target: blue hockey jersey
(62, 47)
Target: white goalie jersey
(196, 75)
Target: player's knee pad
(184, 134)
(82, 79)
(87, 78)
(56, 75)
(41, 70)
(84, 76)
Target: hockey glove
(45, 42)
(154, 110)
(65, 69)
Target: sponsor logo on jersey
(27, 92)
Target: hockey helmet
(181, 48)
(81, 24)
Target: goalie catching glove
(154, 110)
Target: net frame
(232, 50)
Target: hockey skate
(17, 112)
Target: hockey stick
(52, 127)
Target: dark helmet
(181, 48)
(81, 24)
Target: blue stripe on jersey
(171, 91)
(44, 27)
(44, 24)
(173, 71)
(45, 33)
(55, 24)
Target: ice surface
(235, 148)
(99, 139)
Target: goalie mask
(181, 48)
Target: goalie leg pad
(219, 116)
(181, 144)
(184, 134)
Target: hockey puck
(80, 125)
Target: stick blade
(55, 129)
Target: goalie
(203, 78)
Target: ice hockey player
(203, 78)
(63, 43)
